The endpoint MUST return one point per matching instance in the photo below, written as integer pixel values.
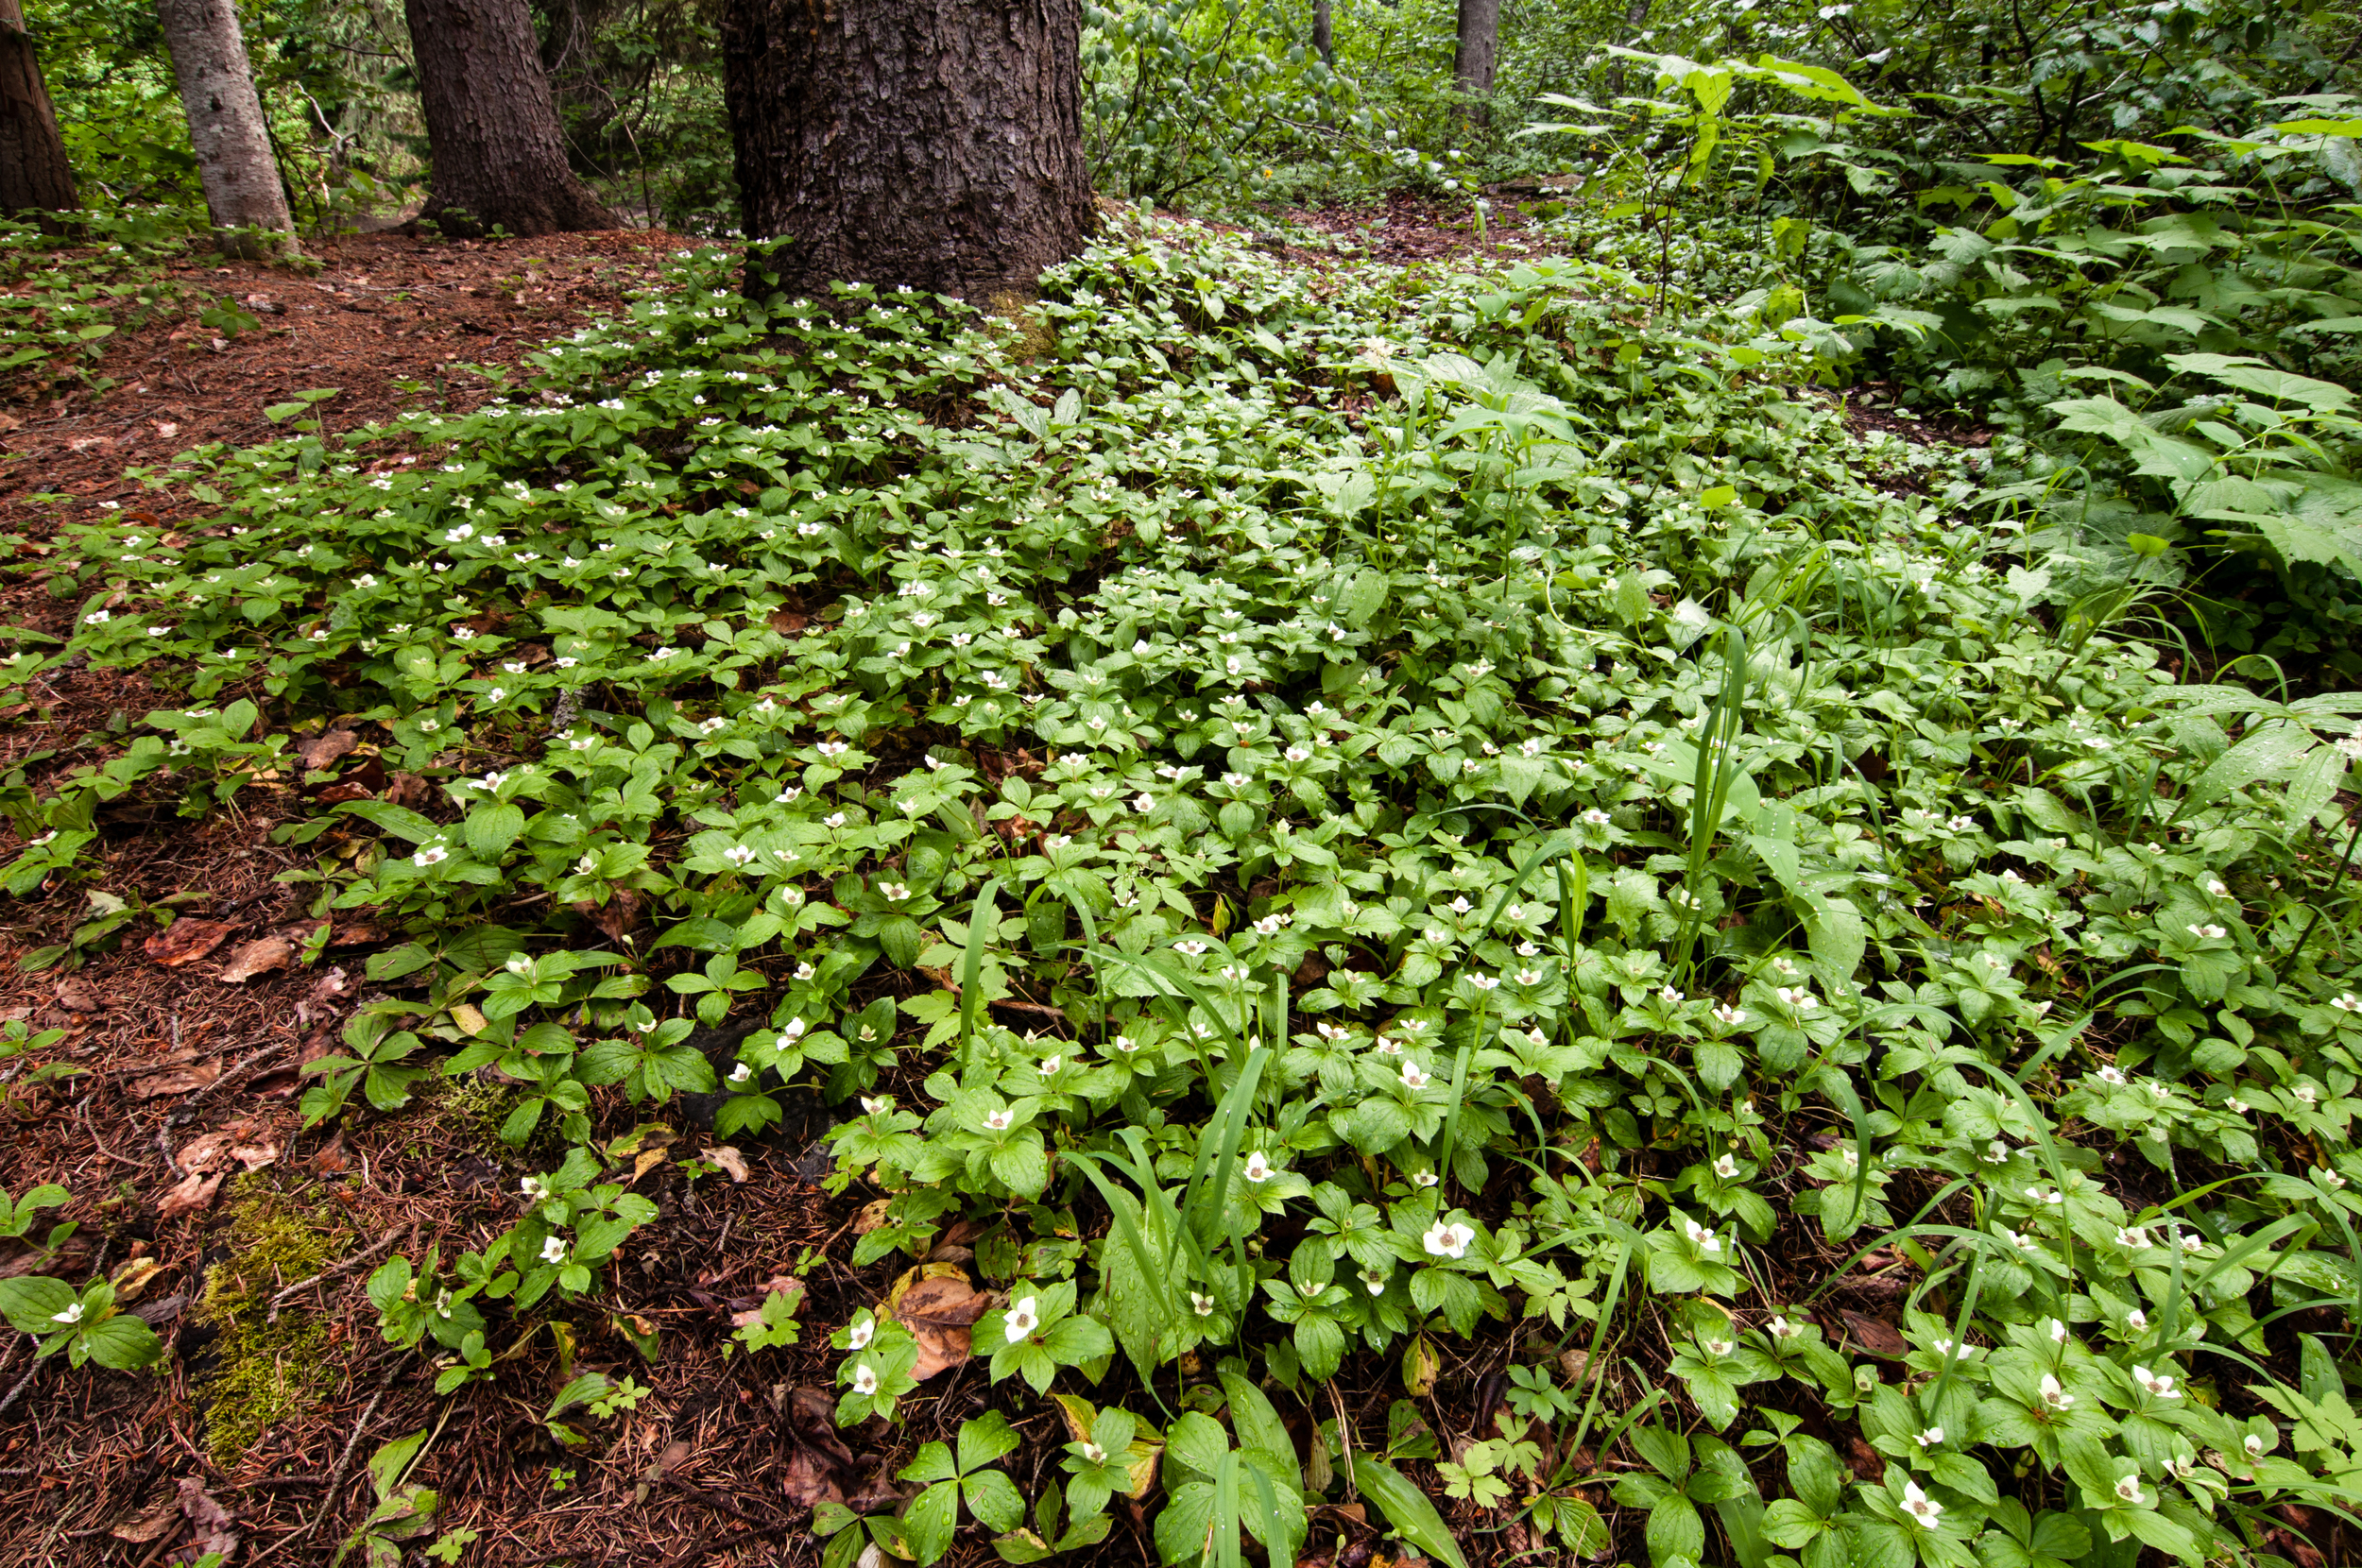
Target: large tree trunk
(34, 173)
(498, 156)
(1473, 60)
(233, 156)
(929, 143)
(1323, 32)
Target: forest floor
(219, 1212)
(187, 1107)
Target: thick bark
(935, 145)
(1477, 54)
(498, 156)
(233, 156)
(1323, 39)
(34, 173)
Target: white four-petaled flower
(1446, 1238)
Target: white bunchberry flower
(1919, 1504)
(73, 1314)
(997, 1121)
(1933, 1437)
(2129, 1489)
(2159, 1384)
(1445, 1239)
(858, 1333)
(864, 1380)
(553, 1250)
(1702, 1238)
(2053, 1395)
(1021, 1319)
(1258, 1168)
(1726, 1166)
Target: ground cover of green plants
(1538, 839)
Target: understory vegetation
(1326, 823)
(1722, 827)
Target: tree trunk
(233, 156)
(34, 174)
(1635, 14)
(498, 156)
(935, 145)
(1323, 38)
(1477, 54)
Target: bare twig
(354, 1261)
(21, 1382)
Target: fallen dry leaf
(330, 1157)
(257, 957)
(873, 1214)
(133, 1277)
(77, 995)
(193, 1194)
(213, 1521)
(176, 1080)
(669, 1460)
(618, 917)
(139, 1532)
(1879, 1339)
(186, 941)
(204, 1152)
(938, 1306)
(728, 1159)
(810, 1479)
(320, 751)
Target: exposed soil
(387, 319)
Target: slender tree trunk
(34, 173)
(1323, 39)
(1635, 14)
(233, 156)
(935, 145)
(499, 157)
(1477, 54)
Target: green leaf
(933, 1517)
(491, 829)
(983, 1440)
(123, 1342)
(1408, 1511)
(31, 1304)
